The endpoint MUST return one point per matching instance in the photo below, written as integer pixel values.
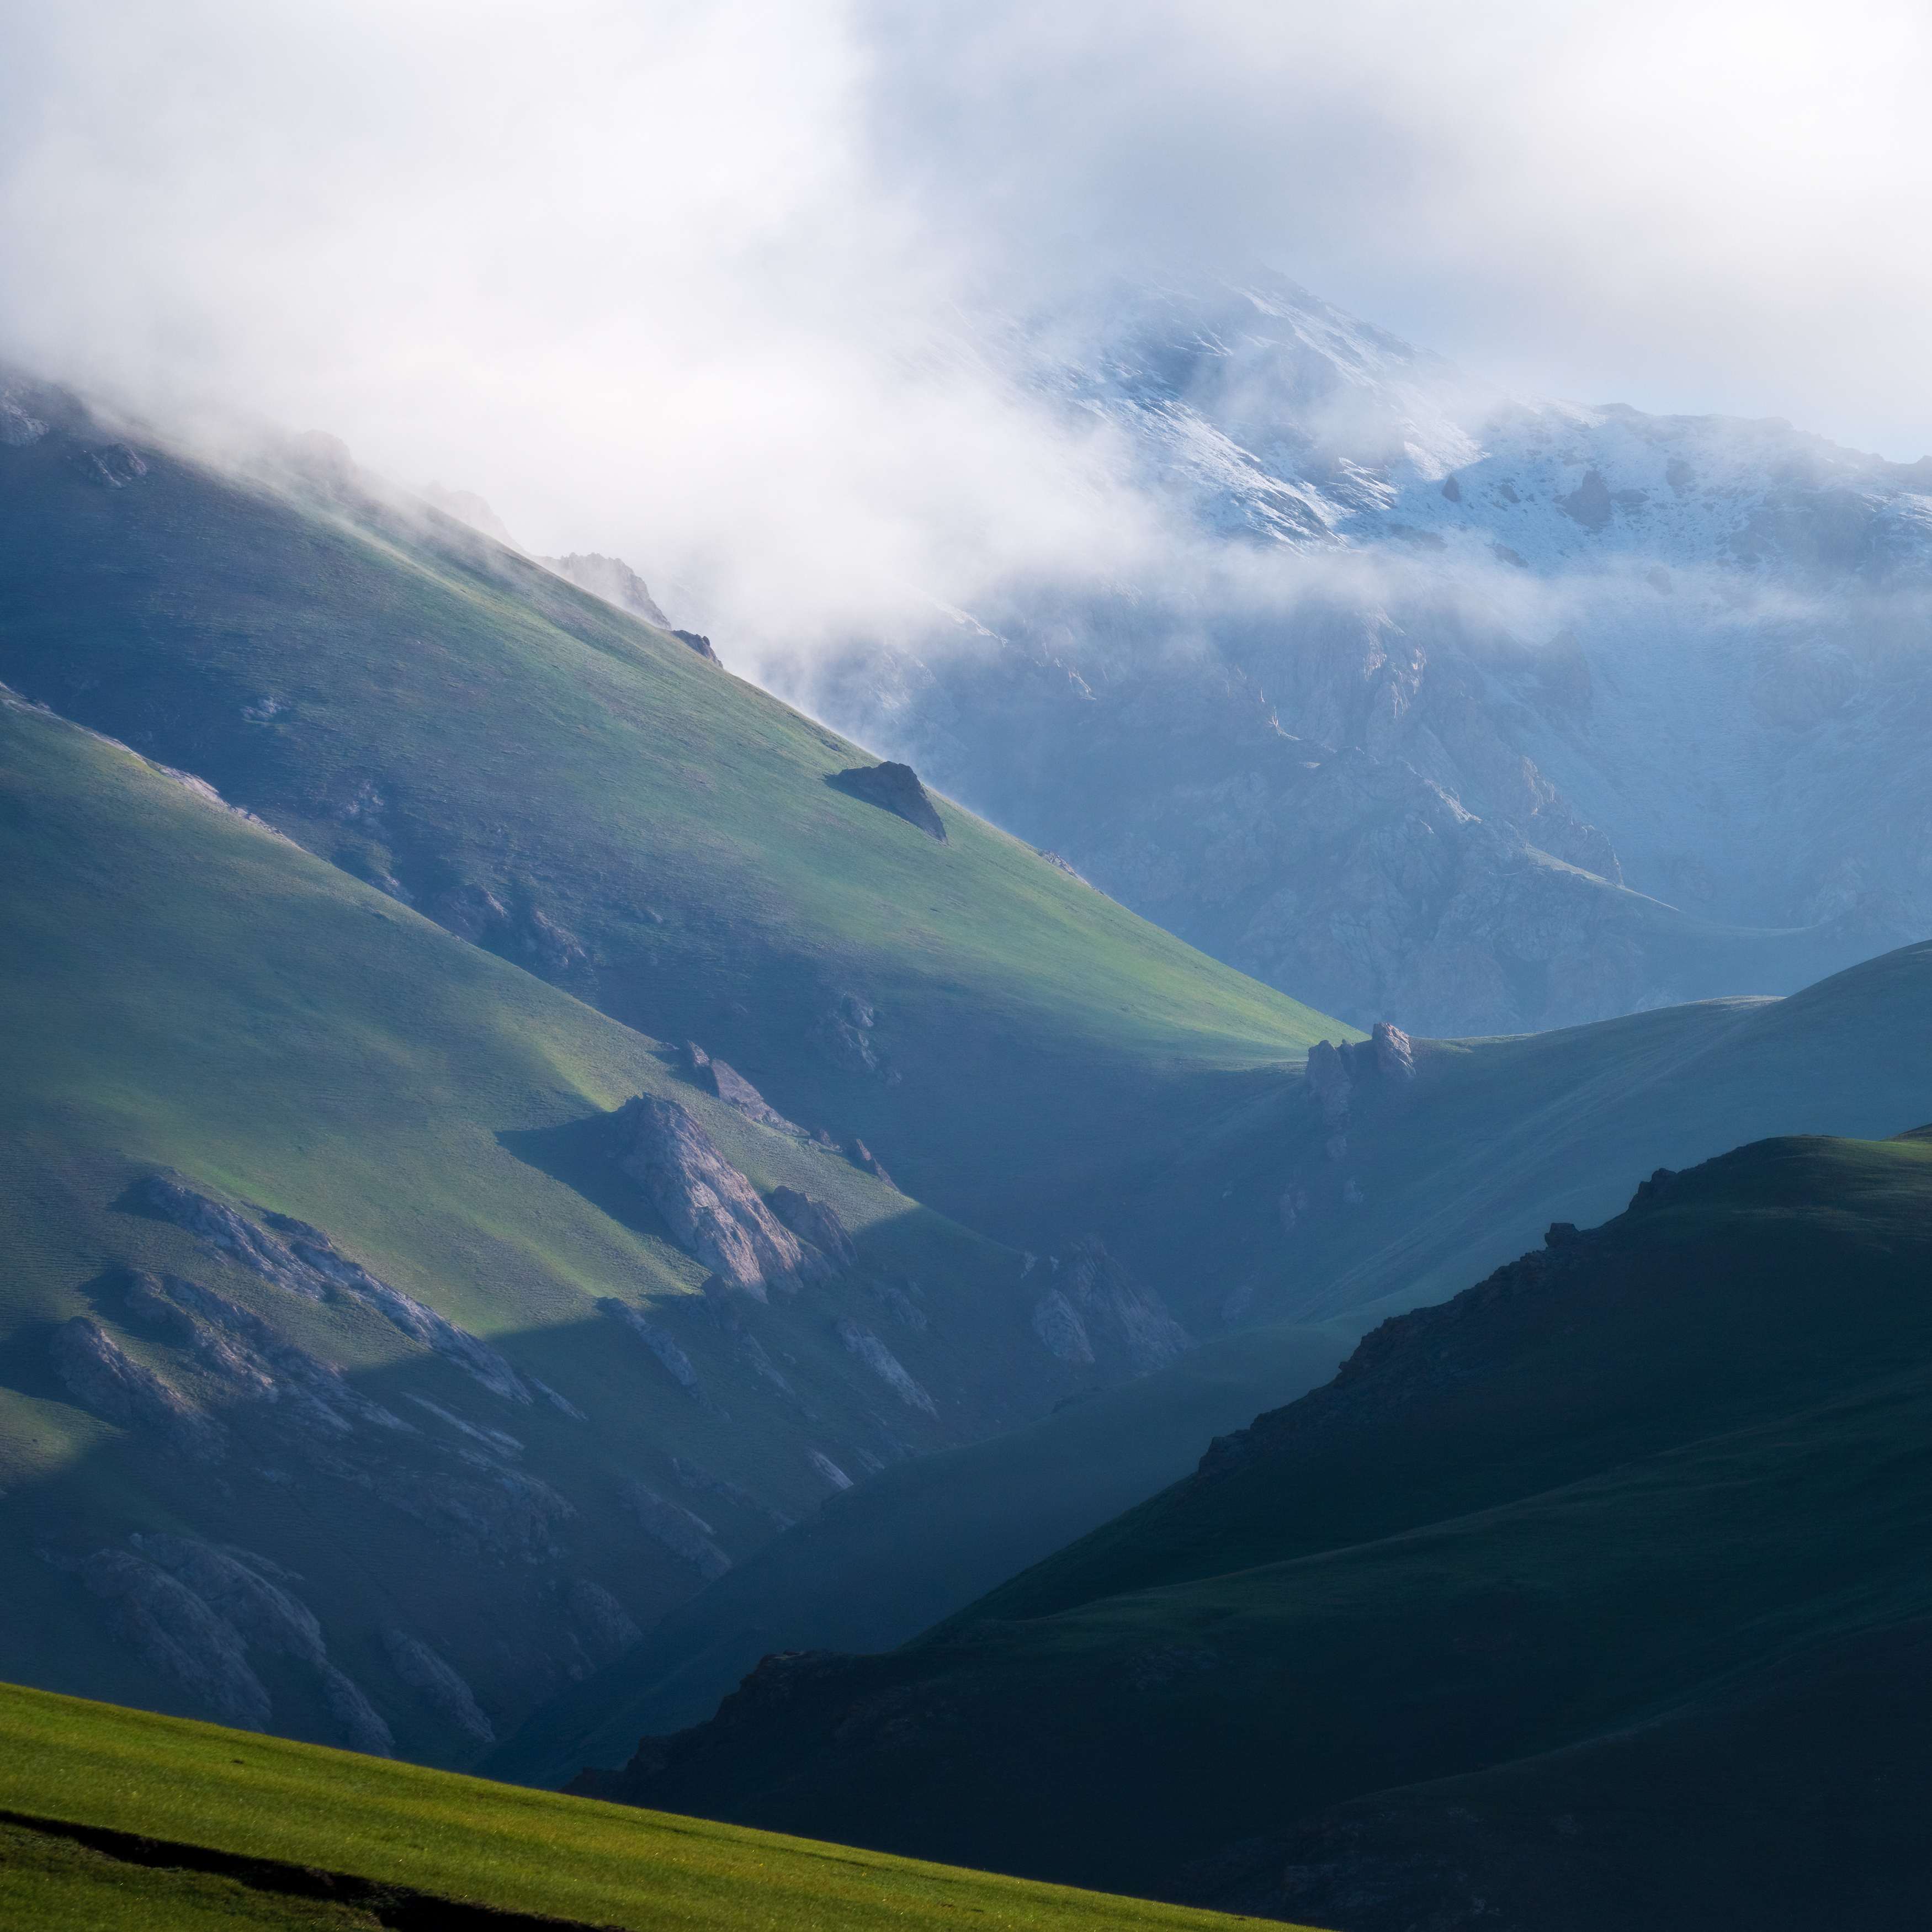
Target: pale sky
(699, 283)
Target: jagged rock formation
(1395, 1057)
(304, 1405)
(609, 1627)
(263, 1615)
(472, 911)
(897, 1304)
(816, 1222)
(252, 1361)
(712, 1211)
(688, 1537)
(548, 945)
(701, 643)
(310, 1264)
(18, 430)
(843, 1035)
(729, 1084)
(896, 788)
(677, 1364)
(864, 1158)
(861, 1342)
(101, 1375)
(192, 1612)
(751, 1351)
(693, 1478)
(169, 1628)
(828, 1469)
(1330, 1079)
(1091, 1292)
(442, 1688)
(612, 579)
(363, 1728)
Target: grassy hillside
(1654, 1488)
(436, 713)
(405, 1831)
(1459, 1170)
(1465, 1165)
(185, 991)
(517, 827)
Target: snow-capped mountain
(1473, 712)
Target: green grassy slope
(1671, 1475)
(424, 707)
(1459, 1171)
(1467, 1165)
(449, 1837)
(184, 991)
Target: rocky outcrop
(546, 944)
(416, 1320)
(1330, 1080)
(828, 1469)
(816, 1222)
(258, 1612)
(307, 1263)
(262, 1614)
(1061, 1329)
(612, 579)
(751, 1352)
(362, 1726)
(688, 1537)
(714, 1213)
(676, 1363)
(1091, 1293)
(232, 1235)
(171, 1629)
(115, 465)
(843, 1034)
(861, 1342)
(438, 1683)
(897, 1304)
(18, 430)
(486, 1508)
(306, 1407)
(697, 641)
(735, 1494)
(102, 1375)
(1395, 1057)
(896, 788)
(608, 1630)
(867, 1162)
(731, 1086)
(254, 1361)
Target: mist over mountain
(1486, 713)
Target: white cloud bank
(686, 281)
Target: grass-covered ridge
(187, 991)
(1548, 1552)
(450, 1837)
(429, 710)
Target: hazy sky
(686, 281)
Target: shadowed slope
(1628, 1476)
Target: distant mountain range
(1440, 706)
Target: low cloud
(729, 288)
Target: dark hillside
(1668, 1475)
